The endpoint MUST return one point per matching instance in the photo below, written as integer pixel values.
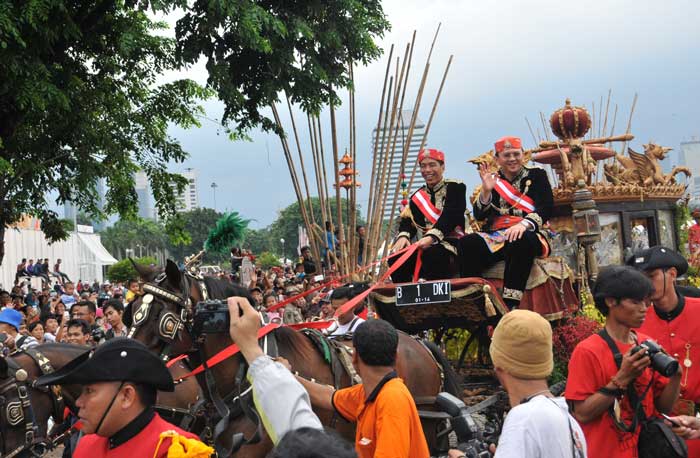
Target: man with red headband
(516, 203)
(437, 209)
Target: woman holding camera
(600, 386)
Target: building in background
(70, 211)
(690, 157)
(384, 148)
(188, 199)
(143, 190)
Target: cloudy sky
(512, 59)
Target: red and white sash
(422, 201)
(514, 197)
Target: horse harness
(18, 412)
(238, 403)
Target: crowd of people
(81, 314)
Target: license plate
(434, 292)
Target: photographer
(538, 425)
(599, 387)
(674, 321)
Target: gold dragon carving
(643, 169)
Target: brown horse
(48, 403)
(163, 322)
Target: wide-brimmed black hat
(658, 257)
(118, 360)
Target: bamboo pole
(600, 117)
(430, 120)
(326, 191)
(319, 185)
(407, 144)
(544, 126)
(377, 221)
(531, 132)
(607, 110)
(375, 159)
(292, 170)
(342, 269)
(390, 144)
(629, 123)
(352, 232)
(310, 209)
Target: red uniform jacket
(142, 445)
(679, 335)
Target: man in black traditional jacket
(516, 203)
(437, 209)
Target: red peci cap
(508, 143)
(431, 154)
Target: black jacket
(534, 183)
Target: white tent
(82, 254)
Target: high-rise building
(70, 211)
(143, 192)
(385, 142)
(690, 157)
(188, 199)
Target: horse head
(16, 429)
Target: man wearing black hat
(120, 379)
(674, 321)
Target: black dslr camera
(660, 361)
(211, 317)
(469, 435)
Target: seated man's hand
(244, 328)
(400, 244)
(515, 232)
(426, 242)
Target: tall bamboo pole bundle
(352, 233)
(319, 185)
(390, 145)
(342, 267)
(292, 170)
(310, 209)
(430, 119)
(324, 170)
(405, 154)
(375, 160)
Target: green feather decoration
(228, 232)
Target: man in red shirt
(597, 388)
(674, 322)
(120, 379)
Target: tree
(260, 240)
(256, 49)
(267, 260)
(124, 269)
(79, 99)
(197, 223)
(287, 224)
(139, 235)
(79, 102)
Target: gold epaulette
(450, 180)
(406, 213)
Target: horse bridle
(18, 412)
(169, 323)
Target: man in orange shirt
(387, 419)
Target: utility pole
(213, 187)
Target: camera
(470, 436)
(211, 317)
(98, 334)
(660, 361)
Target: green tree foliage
(260, 240)
(197, 224)
(256, 49)
(289, 219)
(266, 260)
(80, 101)
(139, 235)
(124, 270)
(80, 98)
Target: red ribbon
(352, 303)
(289, 300)
(172, 362)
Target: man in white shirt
(347, 322)
(539, 425)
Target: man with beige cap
(538, 424)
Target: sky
(512, 59)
